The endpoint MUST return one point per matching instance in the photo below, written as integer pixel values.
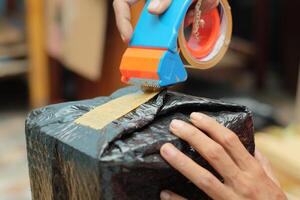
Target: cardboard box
(76, 34)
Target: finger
(226, 138)
(209, 149)
(202, 178)
(168, 195)
(208, 5)
(189, 19)
(122, 13)
(157, 7)
(266, 165)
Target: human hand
(157, 7)
(245, 176)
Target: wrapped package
(68, 160)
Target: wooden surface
(38, 64)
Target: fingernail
(168, 150)
(196, 116)
(164, 195)
(176, 124)
(154, 4)
(202, 23)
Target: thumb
(157, 7)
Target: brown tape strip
(198, 64)
(102, 115)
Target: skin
(245, 176)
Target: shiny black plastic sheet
(121, 161)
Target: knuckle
(205, 181)
(257, 170)
(249, 191)
(193, 134)
(279, 195)
(246, 185)
(235, 175)
(115, 4)
(245, 191)
(230, 139)
(214, 152)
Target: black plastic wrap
(121, 161)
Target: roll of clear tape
(220, 47)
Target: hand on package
(157, 7)
(245, 176)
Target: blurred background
(53, 51)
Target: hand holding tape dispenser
(153, 60)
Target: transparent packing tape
(220, 46)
